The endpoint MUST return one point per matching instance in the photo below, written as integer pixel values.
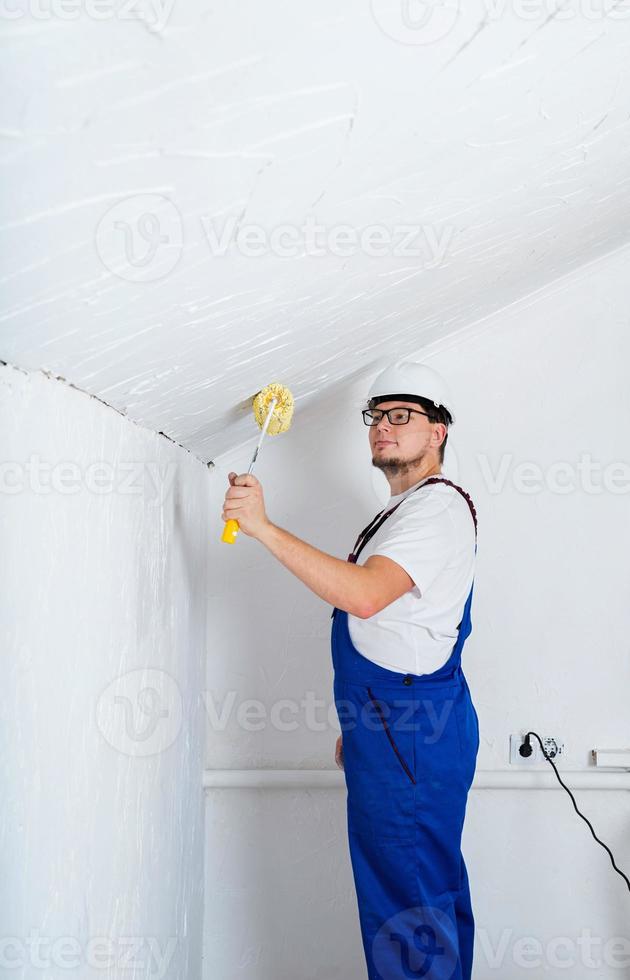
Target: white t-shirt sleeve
(420, 536)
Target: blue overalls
(410, 744)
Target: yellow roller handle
(230, 531)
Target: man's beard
(395, 466)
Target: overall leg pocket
(380, 768)
(382, 712)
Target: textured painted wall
(103, 585)
(542, 384)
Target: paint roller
(273, 411)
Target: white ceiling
(498, 133)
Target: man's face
(398, 448)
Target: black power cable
(526, 750)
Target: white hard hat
(408, 380)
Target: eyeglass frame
(386, 412)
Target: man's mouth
(382, 443)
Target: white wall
(541, 383)
(103, 632)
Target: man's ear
(439, 432)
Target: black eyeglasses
(396, 416)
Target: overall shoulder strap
(369, 532)
(467, 498)
(371, 529)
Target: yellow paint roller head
(283, 410)
(272, 405)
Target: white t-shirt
(432, 536)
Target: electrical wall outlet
(554, 747)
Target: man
(410, 733)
